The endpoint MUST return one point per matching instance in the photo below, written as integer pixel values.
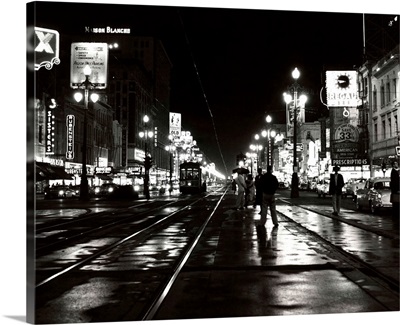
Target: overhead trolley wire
(203, 92)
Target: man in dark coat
(257, 183)
(269, 184)
(395, 189)
(336, 184)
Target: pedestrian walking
(241, 186)
(257, 185)
(234, 186)
(336, 184)
(269, 185)
(250, 191)
(395, 190)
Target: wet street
(313, 263)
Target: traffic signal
(148, 162)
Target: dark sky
(231, 66)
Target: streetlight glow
(87, 71)
(78, 96)
(94, 97)
(296, 74)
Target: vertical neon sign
(50, 122)
(70, 121)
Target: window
(394, 89)
(382, 96)
(388, 93)
(375, 131)
(374, 100)
(390, 126)
(383, 128)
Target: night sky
(231, 66)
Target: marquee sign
(46, 45)
(70, 120)
(341, 88)
(95, 55)
(175, 121)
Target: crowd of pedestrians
(257, 192)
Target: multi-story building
(138, 84)
(380, 94)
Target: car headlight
(97, 190)
(61, 192)
(136, 188)
(110, 189)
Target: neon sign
(70, 120)
(46, 44)
(341, 88)
(49, 126)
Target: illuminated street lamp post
(147, 159)
(171, 148)
(86, 85)
(270, 135)
(256, 148)
(288, 98)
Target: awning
(104, 177)
(45, 171)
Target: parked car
(303, 186)
(352, 185)
(323, 187)
(58, 191)
(375, 195)
(77, 190)
(105, 189)
(283, 185)
(116, 192)
(313, 185)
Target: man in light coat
(241, 187)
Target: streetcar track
(348, 262)
(182, 260)
(115, 244)
(110, 225)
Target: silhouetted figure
(336, 184)
(394, 188)
(269, 184)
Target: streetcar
(191, 178)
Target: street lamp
(270, 135)
(86, 85)
(171, 148)
(258, 148)
(254, 157)
(147, 159)
(288, 98)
